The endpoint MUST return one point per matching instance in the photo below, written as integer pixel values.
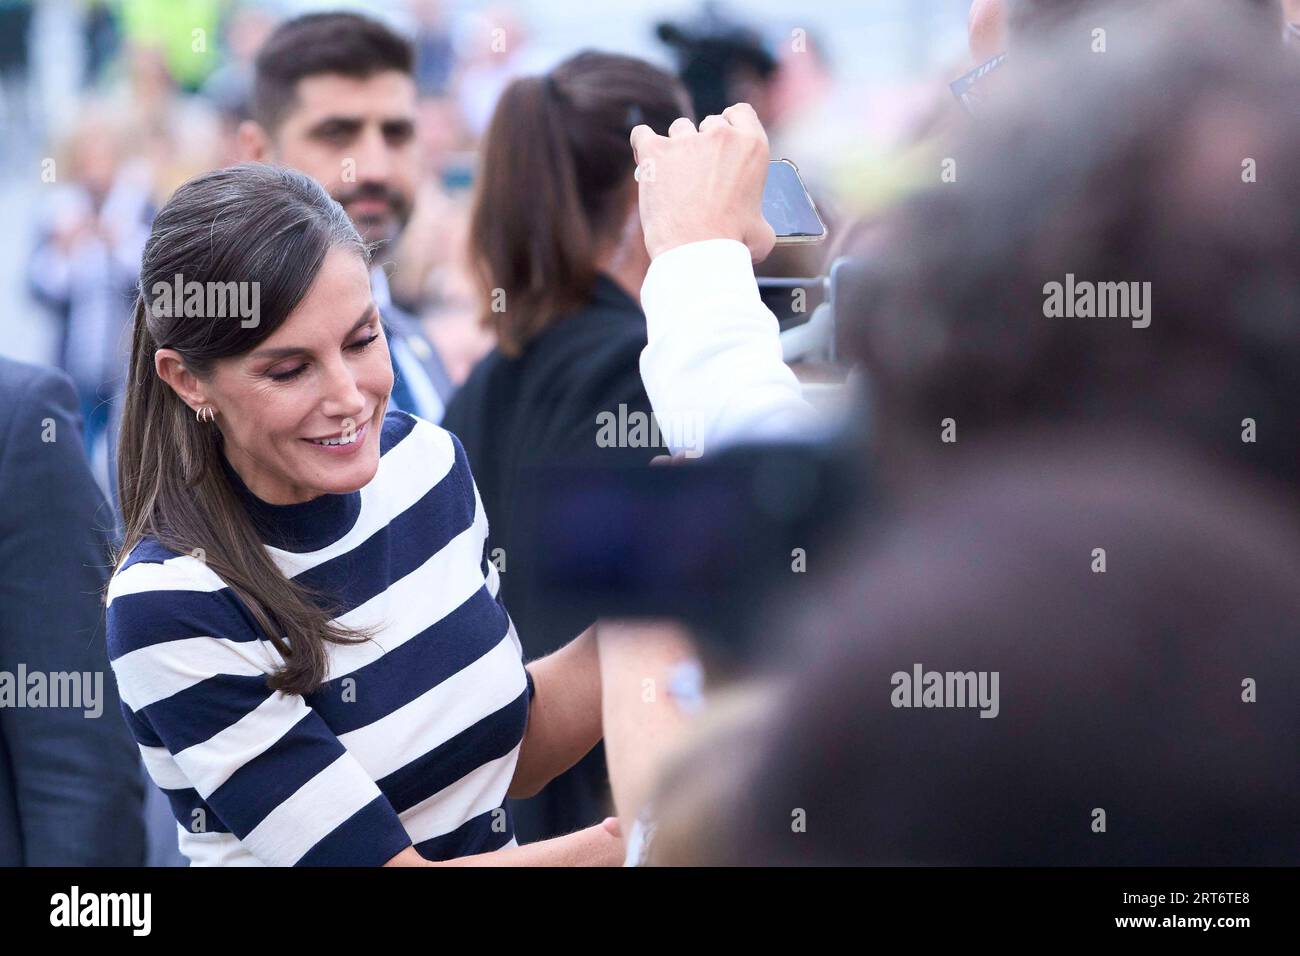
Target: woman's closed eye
(285, 375)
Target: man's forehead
(386, 95)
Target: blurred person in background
(173, 132)
(435, 52)
(71, 790)
(15, 63)
(230, 86)
(184, 32)
(131, 144)
(498, 49)
(334, 96)
(430, 256)
(101, 36)
(85, 260)
(558, 252)
(722, 61)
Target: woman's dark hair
(244, 224)
(555, 179)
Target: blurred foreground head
(993, 25)
(1159, 698)
(1156, 179)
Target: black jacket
(515, 415)
(71, 788)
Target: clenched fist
(705, 183)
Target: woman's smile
(342, 444)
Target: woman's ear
(171, 369)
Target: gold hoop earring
(204, 413)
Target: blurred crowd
(163, 87)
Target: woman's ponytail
(555, 183)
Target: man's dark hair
(347, 44)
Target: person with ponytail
(312, 653)
(559, 256)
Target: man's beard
(379, 231)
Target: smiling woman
(296, 410)
(276, 228)
(310, 648)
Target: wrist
(659, 245)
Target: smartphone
(787, 206)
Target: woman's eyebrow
(284, 351)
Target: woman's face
(323, 375)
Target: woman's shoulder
(414, 449)
(155, 588)
(152, 566)
(592, 337)
(409, 435)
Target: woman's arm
(643, 722)
(601, 845)
(564, 717)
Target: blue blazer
(71, 787)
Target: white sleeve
(713, 368)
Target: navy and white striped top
(415, 737)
